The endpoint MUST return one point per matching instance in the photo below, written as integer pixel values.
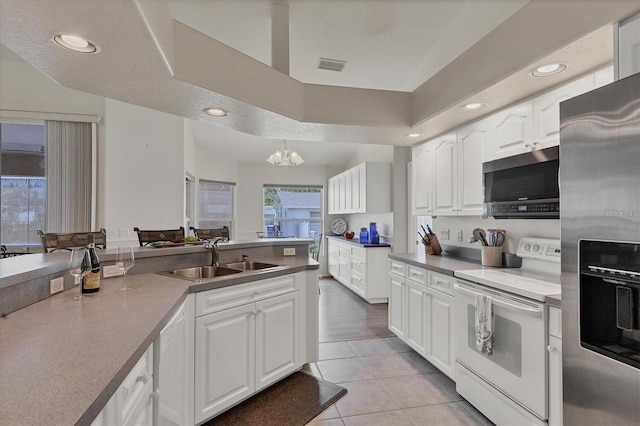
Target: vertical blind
(69, 176)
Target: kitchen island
(62, 360)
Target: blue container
(374, 237)
(364, 236)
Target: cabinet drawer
(134, 388)
(359, 253)
(358, 266)
(416, 274)
(229, 297)
(397, 268)
(555, 322)
(441, 282)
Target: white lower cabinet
(555, 366)
(421, 313)
(360, 269)
(132, 403)
(416, 333)
(397, 299)
(440, 323)
(241, 350)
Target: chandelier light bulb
(284, 157)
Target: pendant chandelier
(284, 157)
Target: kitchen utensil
(496, 237)
(479, 234)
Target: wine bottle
(91, 281)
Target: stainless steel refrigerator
(600, 232)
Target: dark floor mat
(293, 401)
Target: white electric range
(510, 385)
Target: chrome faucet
(215, 252)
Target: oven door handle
(525, 310)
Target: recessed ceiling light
(549, 69)
(413, 135)
(473, 106)
(215, 112)
(75, 43)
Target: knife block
(434, 246)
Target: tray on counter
(161, 244)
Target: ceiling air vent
(331, 64)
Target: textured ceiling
(410, 63)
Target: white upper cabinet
(445, 174)
(471, 142)
(628, 47)
(365, 188)
(447, 171)
(422, 179)
(546, 111)
(512, 132)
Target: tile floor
(388, 384)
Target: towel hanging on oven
(484, 326)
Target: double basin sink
(198, 273)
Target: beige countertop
(61, 360)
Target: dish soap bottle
(374, 237)
(91, 281)
(364, 236)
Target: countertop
(18, 269)
(448, 265)
(61, 360)
(555, 300)
(356, 241)
(442, 264)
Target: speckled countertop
(448, 265)
(555, 300)
(442, 264)
(61, 360)
(18, 269)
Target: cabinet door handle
(259, 311)
(144, 378)
(355, 261)
(551, 348)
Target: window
(292, 211)
(216, 205)
(47, 180)
(23, 186)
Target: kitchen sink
(200, 272)
(250, 265)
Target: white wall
(142, 166)
(364, 153)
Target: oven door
(517, 367)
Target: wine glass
(125, 261)
(80, 265)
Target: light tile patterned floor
(388, 384)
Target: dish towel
(484, 328)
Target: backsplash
(516, 229)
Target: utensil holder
(434, 246)
(491, 256)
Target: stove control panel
(546, 249)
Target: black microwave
(523, 186)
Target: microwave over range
(523, 186)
